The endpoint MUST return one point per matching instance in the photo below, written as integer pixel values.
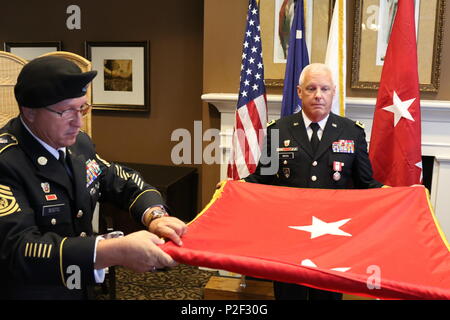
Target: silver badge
(336, 176)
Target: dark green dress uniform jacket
(46, 236)
(299, 167)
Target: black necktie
(314, 138)
(62, 160)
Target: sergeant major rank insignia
(8, 203)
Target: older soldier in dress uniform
(50, 181)
(315, 149)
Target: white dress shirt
(321, 123)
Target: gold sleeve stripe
(49, 250)
(148, 190)
(34, 249)
(120, 173)
(39, 250)
(117, 170)
(44, 250)
(125, 175)
(61, 261)
(29, 249)
(106, 163)
(138, 180)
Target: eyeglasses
(71, 114)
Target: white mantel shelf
(435, 138)
(432, 110)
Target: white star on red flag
(396, 240)
(320, 228)
(419, 165)
(396, 139)
(310, 263)
(400, 108)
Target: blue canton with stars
(252, 70)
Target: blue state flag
(297, 59)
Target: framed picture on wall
(276, 19)
(31, 50)
(373, 23)
(122, 80)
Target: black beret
(47, 80)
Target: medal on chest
(337, 168)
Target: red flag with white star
(382, 242)
(395, 144)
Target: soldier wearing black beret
(50, 181)
(315, 148)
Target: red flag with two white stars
(395, 145)
(380, 242)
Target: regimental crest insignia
(8, 203)
(45, 187)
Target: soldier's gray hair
(315, 67)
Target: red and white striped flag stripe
(248, 136)
(251, 114)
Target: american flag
(251, 114)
